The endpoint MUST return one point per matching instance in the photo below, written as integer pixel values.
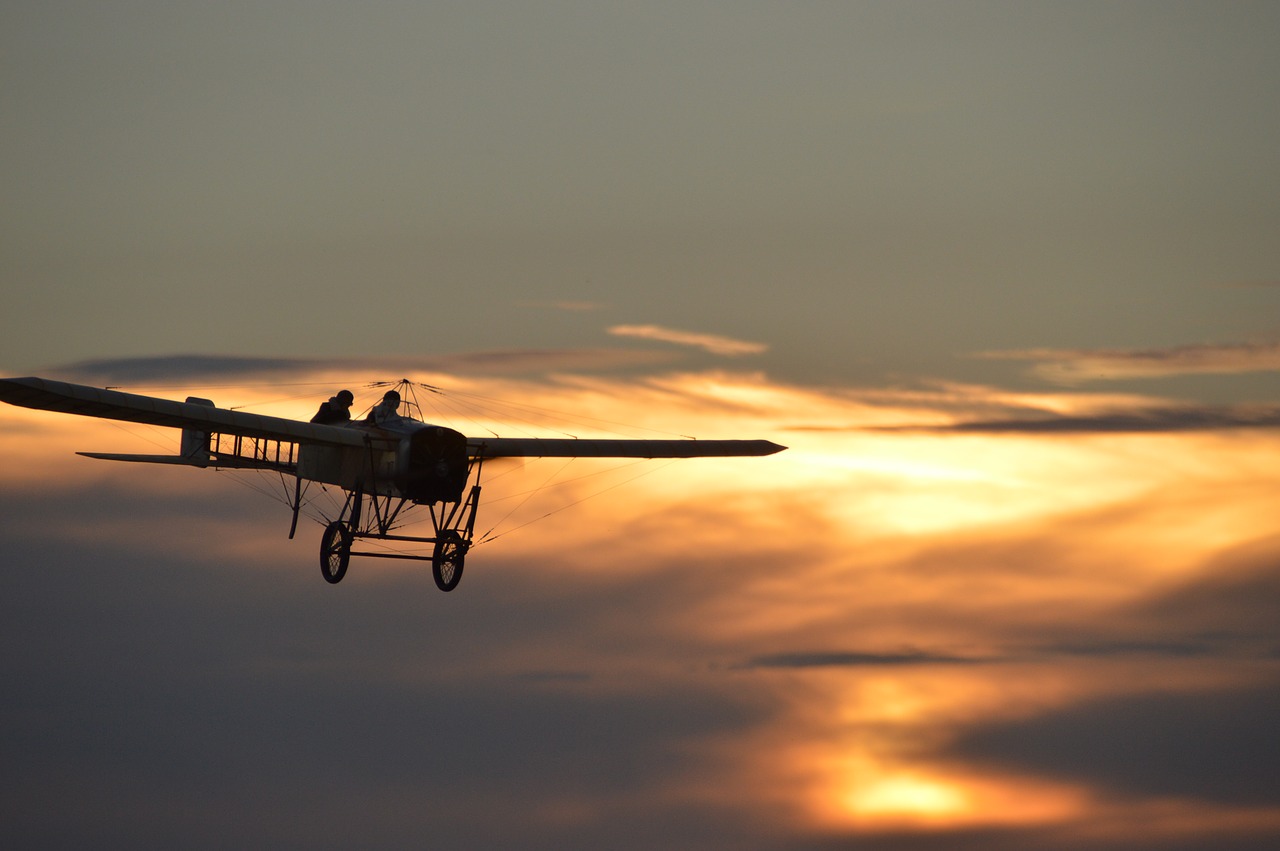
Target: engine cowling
(433, 465)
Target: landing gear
(372, 516)
(447, 559)
(335, 551)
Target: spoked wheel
(446, 561)
(335, 551)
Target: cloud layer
(876, 637)
(1078, 366)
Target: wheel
(446, 561)
(335, 552)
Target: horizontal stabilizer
(217, 459)
(142, 459)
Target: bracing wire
(489, 536)
(579, 418)
(529, 496)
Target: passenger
(337, 411)
(384, 413)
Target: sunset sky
(1005, 277)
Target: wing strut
(297, 505)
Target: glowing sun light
(905, 796)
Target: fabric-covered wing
(521, 447)
(60, 396)
(63, 397)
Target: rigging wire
(141, 431)
(489, 536)
(566, 482)
(529, 496)
(581, 419)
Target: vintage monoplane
(380, 468)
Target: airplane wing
(46, 395)
(532, 447)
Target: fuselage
(403, 458)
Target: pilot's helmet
(391, 396)
(346, 397)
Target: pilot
(336, 411)
(384, 413)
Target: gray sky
(868, 189)
(1003, 276)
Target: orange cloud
(913, 619)
(712, 343)
(1078, 366)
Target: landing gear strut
(453, 522)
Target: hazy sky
(869, 189)
(1004, 276)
